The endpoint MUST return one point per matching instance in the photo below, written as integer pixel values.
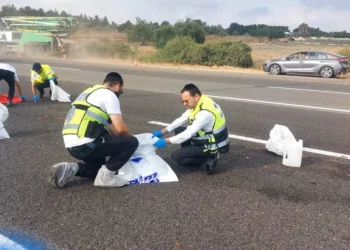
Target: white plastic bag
(58, 94)
(145, 166)
(280, 138)
(3, 132)
(4, 113)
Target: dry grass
(86, 36)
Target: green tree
(164, 34)
(191, 29)
(142, 32)
(125, 26)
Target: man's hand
(158, 134)
(161, 143)
(35, 98)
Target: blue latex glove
(52, 78)
(157, 133)
(23, 97)
(161, 143)
(35, 98)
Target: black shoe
(41, 96)
(210, 165)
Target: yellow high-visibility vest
(85, 119)
(218, 136)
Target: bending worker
(9, 74)
(40, 77)
(205, 137)
(93, 130)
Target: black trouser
(9, 77)
(41, 86)
(189, 154)
(118, 147)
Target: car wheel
(275, 69)
(327, 72)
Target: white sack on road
(145, 166)
(3, 132)
(4, 114)
(280, 138)
(58, 94)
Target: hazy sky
(325, 14)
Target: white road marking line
(279, 104)
(65, 68)
(58, 68)
(311, 90)
(243, 138)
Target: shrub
(185, 50)
(227, 53)
(175, 51)
(164, 34)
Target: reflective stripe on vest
(82, 113)
(218, 136)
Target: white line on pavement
(65, 68)
(311, 90)
(59, 68)
(279, 104)
(243, 138)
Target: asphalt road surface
(252, 202)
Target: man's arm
(50, 73)
(19, 89)
(118, 125)
(18, 85)
(203, 118)
(33, 88)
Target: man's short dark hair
(113, 78)
(36, 66)
(193, 89)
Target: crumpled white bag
(280, 138)
(3, 132)
(145, 166)
(58, 94)
(4, 114)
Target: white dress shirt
(204, 121)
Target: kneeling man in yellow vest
(93, 130)
(205, 137)
(41, 74)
